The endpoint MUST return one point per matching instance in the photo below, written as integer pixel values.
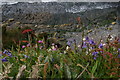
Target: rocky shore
(53, 13)
(58, 17)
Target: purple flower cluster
(87, 38)
(8, 54)
(4, 59)
(91, 42)
(119, 56)
(88, 41)
(100, 45)
(119, 40)
(119, 49)
(84, 45)
(95, 54)
(26, 56)
(68, 43)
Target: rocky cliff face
(56, 13)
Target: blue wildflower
(119, 56)
(119, 40)
(87, 38)
(91, 47)
(68, 43)
(7, 53)
(91, 42)
(119, 49)
(26, 56)
(94, 58)
(100, 46)
(4, 59)
(84, 45)
(94, 53)
(101, 51)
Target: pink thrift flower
(54, 49)
(23, 46)
(40, 41)
(28, 45)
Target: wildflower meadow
(60, 40)
(32, 59)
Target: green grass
(59, 62)
(62, 63)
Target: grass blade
(94, 68)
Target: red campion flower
(24, 41)
(27, 30)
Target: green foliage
(55, 62)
